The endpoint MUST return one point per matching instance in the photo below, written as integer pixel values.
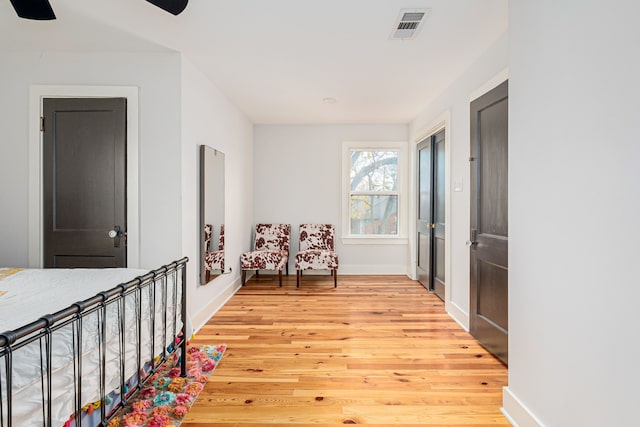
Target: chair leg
(298, 278)
(280, 277)
(244, 276)
(287, 267)
(335, 278)
(257, 271)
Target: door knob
(116, 234)
(474, 237)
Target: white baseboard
(516, 412)
(350, 269)
(202, 317)
(372, 269)
(458, 314)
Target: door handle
(474, 235)
(116, 234)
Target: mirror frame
(218, 169)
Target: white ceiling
(277, 59)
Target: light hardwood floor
(376, 350)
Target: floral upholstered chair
(213, 260)
(270, 250)
(317, 250)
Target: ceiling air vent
(409, 23)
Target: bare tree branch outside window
(374, 192)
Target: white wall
(454, 100)
(298, 179)
(574, 205)
(158, 77)
(209, 118)
(179, 109)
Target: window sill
(374, 240)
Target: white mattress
(29, 294)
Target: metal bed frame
(42, 330)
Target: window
(373, 183)
(373, 195)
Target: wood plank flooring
(375, 350)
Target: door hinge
(41, 124)
(472, 159)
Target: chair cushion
(264, 260)
(272, 237)
(316, 259)
(316, 236)
(214, 260)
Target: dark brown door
(489, 226)
(425, 212)
(84, 182)
(431, 214)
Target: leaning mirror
(211, 214)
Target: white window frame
(391, 239)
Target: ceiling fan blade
(172, 6)
(33, 9)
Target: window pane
(374, 214)
(374, 170)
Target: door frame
(443, 121)
(36, 95)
